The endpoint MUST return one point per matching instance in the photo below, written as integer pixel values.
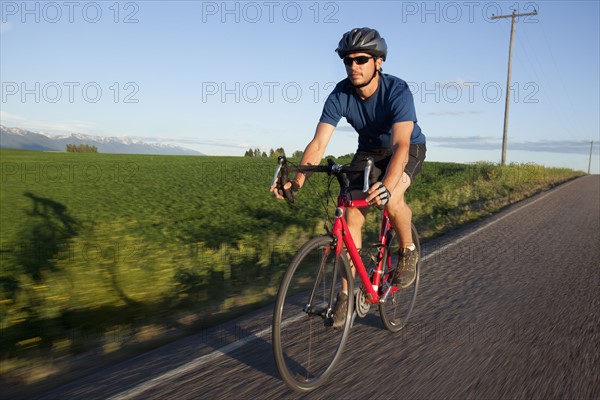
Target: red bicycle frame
(340, 230)
(342, 234)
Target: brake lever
(367, 173)
(280, 162)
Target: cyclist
(380, 108)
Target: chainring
(360, 303)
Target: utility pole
(506, 106)
(590, 161)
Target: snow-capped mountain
(15, 138)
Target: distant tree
(252, 153)
(255, 153)
(82, 148)
(297, 154)
(277, 153)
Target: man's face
(360, 74)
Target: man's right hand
(379, 195)
(277, 189)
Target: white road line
(197, 362)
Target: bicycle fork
(323, 312)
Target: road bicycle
(306, 346)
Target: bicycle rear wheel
(305, 345)
(398, 306)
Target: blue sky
(222, 77)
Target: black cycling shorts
(381, 158)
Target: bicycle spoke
(305, 344)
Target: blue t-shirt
(373, 118)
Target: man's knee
(354, 216)
(396, 204)
(397, 194)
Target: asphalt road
(508, 308)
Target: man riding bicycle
(380, 108)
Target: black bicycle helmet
(362, 40)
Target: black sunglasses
(360, 60)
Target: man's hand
(277, 189)
(378, 194)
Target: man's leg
(401, 218)
(400, 213)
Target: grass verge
(103, 256)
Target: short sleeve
(331, 110)
(402, 106)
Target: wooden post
(507, 103)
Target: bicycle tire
(397, 308)
(305, 345)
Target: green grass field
(93, 244)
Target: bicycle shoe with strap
(340, 310)
(406, 271)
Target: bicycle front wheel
(398, 306)
(305, 345)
